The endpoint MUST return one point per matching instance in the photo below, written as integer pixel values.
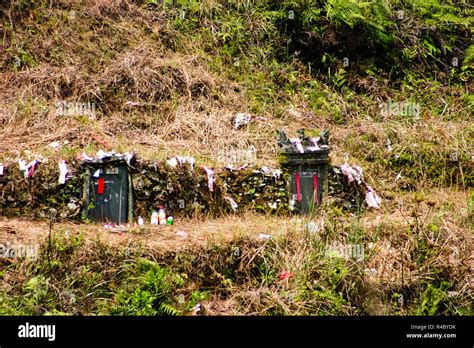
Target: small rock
(182, 234)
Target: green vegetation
(390, 79)
(293, 274)
(335, 64)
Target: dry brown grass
(183, 106)
(199, 232)
(389, 245)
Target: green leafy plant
(152, 294)
(433, 298)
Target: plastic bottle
(162, 216)
(140, 221)
(154, 218)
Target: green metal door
(109, 195)
(306, 190)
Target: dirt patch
(192, 231)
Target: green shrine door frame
(108, 193)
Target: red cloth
(285, 275)
(315, 188)
(100, 186)
(298, 188)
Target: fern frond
(167, 309)
(469, 56)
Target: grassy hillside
(191, 65)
